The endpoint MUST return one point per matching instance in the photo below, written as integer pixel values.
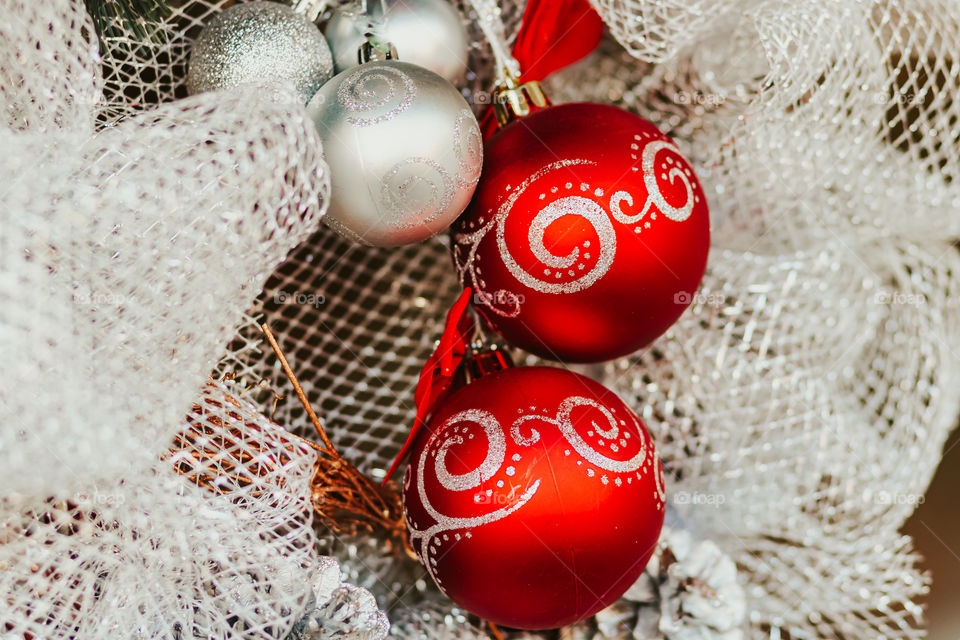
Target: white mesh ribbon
(156, 554)
(50, 75)
(127, 259)
(105, 241)
(803, 400)
(800, 404)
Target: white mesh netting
(799, 405)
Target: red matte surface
(655, 272)
(586, 533)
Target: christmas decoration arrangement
(629, 319)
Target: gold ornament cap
(513, 100)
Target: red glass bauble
(534, 498)
(587, 236)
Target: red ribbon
(553, 35)
(437, 374)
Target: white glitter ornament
(404, 150)
(258, 42)
(428, 33)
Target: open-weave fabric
(800, 404)
(128, 257)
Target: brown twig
(215, 452)
(343, 497)
(495, 630)
(277, 397)
(297, 388)
(208, 436)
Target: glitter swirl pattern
(428, 540)
(382, 92)
(584, 265)
(468, 145)
(658, 477)
(502, 302)
(606, 433)
(416, 191)
(495, 451)
(570, 205)
(669, 170)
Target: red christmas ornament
(587, 235)
(534, 498)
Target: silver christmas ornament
(429, 33)
(257, 42)
(404, 151)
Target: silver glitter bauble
(404, 151)
(258, 42)
(429, 33)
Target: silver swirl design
(619, 215)
(593, 213)
(468, 145)
(563, 421)
(496, 449)
(658, 478)
(416, 191)
(525, 441)
(383, 90)
(466, 264)
(591, 455)
(454, 432)
(575, 205)
(654, 195)
(648, 163)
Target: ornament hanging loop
(491, 24)
(511, 98)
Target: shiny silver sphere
(259, 42)
(404, 151)
(428, 33)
